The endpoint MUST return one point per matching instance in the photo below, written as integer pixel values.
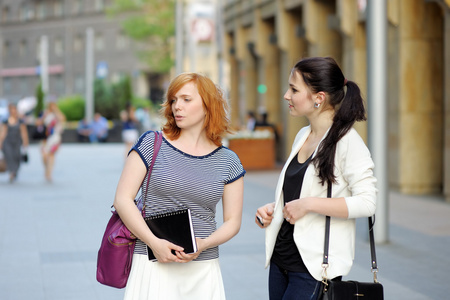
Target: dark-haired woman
(13, 136)
(328, 150)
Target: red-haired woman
(192, 170)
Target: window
(99, 42)
(78, 43)
(23, 13)
(26, 12)
(6, 49)
(23, 82)
(6, 14)
(23, 48)
(41, 10)
(58, 9)
(99, 5)
(38, 49)
(7, 85)
(121, 41)
(31, 13)
(78, 7)
(59, 46)
(59, 84)
(79, 84)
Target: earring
(316, 105)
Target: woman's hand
(184, 258)
(162, 249)
(264, 215)
(296, 209)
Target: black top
(286, 254)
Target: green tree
(104, 102)
(40, 100)
(122, 92)
(151, 22)
(111, 98)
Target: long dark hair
(322, 74)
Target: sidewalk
(51, 234)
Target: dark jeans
(286, 285)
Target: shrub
(73, 107)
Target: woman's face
(12, 110)
(52, 106)
(187, 107)
(299, 96)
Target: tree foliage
(151, 22)
(72, 107)
(40, 100)
(110, 99)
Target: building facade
(64, 24)
(264, 39)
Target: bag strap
(140, 203)
(156, 147)
(374, 267)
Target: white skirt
(149, 280)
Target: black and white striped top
(182, 180)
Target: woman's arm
(333, 207)
(232, 201)
(24, 134)
(356, 175)
(264, 215)
(130, 181)
(3, 132)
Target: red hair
(216, 123)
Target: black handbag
(23, 155)
(39, 133)
(347, 290)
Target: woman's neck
(194, 142)
(321, 123)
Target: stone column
(321, 40)
(421, 97)
(267, 49)
(290, 38)
(354, 51)
(233, 95)
(447, 102)
(246, 65)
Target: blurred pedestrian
(99, 129)
(143, 116)
(251, 121)
(328, 150)
(263, 123)
(130, 131)
(54, 121)
(192, 170)
(83, 130)
(13, 137)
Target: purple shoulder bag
(117, 247)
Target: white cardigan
(355, 182)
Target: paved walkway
(50, 234)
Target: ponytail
(351, 110)
(324, 74)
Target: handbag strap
(156, 147)
(373, 255)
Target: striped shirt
(182, 180)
